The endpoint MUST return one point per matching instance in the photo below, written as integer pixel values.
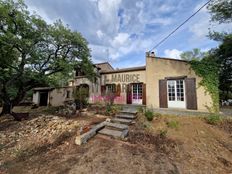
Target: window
(171, 91)
(137, 91)
(110, 88)
(180, 90)
(79, 72)
(68, 94)
(176, 90)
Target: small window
(110, 88)
(68, 94)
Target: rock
(81, 139)
(114, 133)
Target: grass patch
(213, 119)
(149, 115)
(173, 124)
(157, 115)
(140, 109)
(163, 133)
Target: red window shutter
(129, 94)
(103, 90)
(118, 90)
(144, 94)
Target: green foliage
(221, 11)
(108, 109)
(224, 58)
(81, 97)
(149, 115)
(213, 119)
(140, 109)
(173, 124)
(207, 68)
(157, 115)
(195, 54)
(112, 109)
(163, 133)
(33, 53)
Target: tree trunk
(6, 108)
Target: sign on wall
(122, 78)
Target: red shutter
(163, 98)
(129, 94)
(103, 90)
(144, 94)
(191, 93)
(118, 90)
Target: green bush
(163, 133)
(140, 109)
(149, 115)
(112, 109)
(173, 124)
(213, 119)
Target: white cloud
(174, 53)
(120, 39)
(201, 25)
(117, 29)
(100, 34)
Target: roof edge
(166, 58)
(139, 68)
(104, 63)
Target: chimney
(152, 54)
(147, 54)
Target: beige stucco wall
(35, 99)
(57, 97)
(157, 68)
(122, 99)
(94, 88)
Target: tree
(31, 52)
(221, 11)
(195, 54)
(223, 56)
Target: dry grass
(152, 147)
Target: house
(161, 83)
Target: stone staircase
(118, 126)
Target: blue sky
(121, 31)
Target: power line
(180, 25)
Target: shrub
(173, 124)
(140, 109)
(108, 109)
(163, 133)
(149, 115)
(112, 109)
(213, 119)
(81, 97)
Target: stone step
(116, 125)
(133, 112)
(114, 133)
(121, 120)
(126, 116)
